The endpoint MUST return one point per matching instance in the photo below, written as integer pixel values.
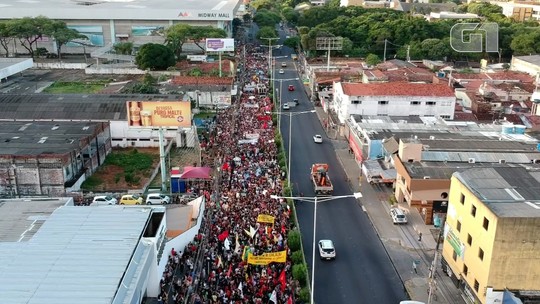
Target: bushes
(297, 257)
(304, 295)
(299, 272)
(293, 240)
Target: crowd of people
(248, 175)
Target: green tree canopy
(267, 32)
(59, 31)
(29, 30)
(264, 17)
(526, 43)
(154, 57)
(372, 59)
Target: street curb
(376, 230)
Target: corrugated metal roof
(78, 256)
(515, 158)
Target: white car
(327, 250)
(286, 106)
(398, 216)
(104, 200)
(281, 71)
(317, 139)
(284, 64)
(156, 199)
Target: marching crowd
(243, 142)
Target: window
(383, 102)
(458, 226)
(445, 116)
(454, 256)
(465, 270)
(469, 240)
(415, 103)
(356, 102)
(481, 254)
(430, 103)
(486, 224)
(476, 285)
(462, 199)
(473, 210)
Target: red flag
(229, 271)
(290, 301)
(223, 235)
(283, 280)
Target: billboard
(147, 30)
(147, 114)
(219, 45)
(94, 33)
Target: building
(12, 66)
(451, 15)
(97, 108)
(520, 10)
(50, 158)
(492, 233)
(109, 22)
(393, 99)
(526, 64)
(64, 254)
(206, 92)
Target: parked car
(398, 216)
(156, 199)
(327, 250)
(284, 64)
(102, 200)
(286, 106)
(291, 87)
(317, 139)
(295, 101)
(131, 199)
(281, 71)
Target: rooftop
(78, 253)
(397, 89)
(21, 218)
(71, 106)
(497, 76)
(120, 9)
(507, 191)
(44, 137)
(190, 80)
(534, 59)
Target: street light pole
(289, 165)
(312, 301)
(315, 200)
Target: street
(362, 271)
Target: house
(491, 233)
(206, 92)
(520, 10)
(393, 99)
(50, 158)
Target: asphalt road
(362, 271)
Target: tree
(123, 48)
(262, 4)
(59, 31)
(175, 37)
(265, 17)
(154, 57)
(292, 42)
(372, 59)
(267, 32)
(29, 31)
(526, 43)
(484, 8)
(290, 15)
(6, 36)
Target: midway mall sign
(194, 15)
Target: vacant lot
(76, 87)
(124, 169)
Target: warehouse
(106, 22)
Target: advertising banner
(267, 258)
(147, 114)
(219, 45)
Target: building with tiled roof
(206, 91)
(393, 99)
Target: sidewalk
(400, 242)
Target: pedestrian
(420, 236)
(414, 267)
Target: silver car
(327, 250)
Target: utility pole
(433, 268)
(270, 54)
(408, 53)
(384, 54)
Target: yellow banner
(267, 258)
(265, 218)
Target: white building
(520, 10)
(452, 15)
(526, 64)
(393, 99)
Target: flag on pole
(219, 262)
(283, 280)
(240, 287)
(223, 235)
(237, 245)
(227, 244)
(290, 301)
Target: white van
(398, 216)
